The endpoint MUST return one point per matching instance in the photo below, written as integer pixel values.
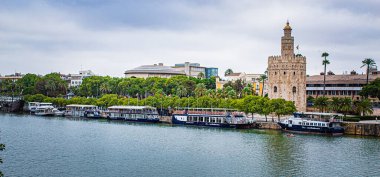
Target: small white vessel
(32, 106)
(44, 109)
(58, 112)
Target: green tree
(282, 107)
(364, 107)
(181, 91)
(321, 103)
(51, 85)
(28, 83)
(246, 91)
(200, 90)
(325, 62)
(201, 75)
(264, 107)
(263, 77)
(335, 104)
(346, 105)
(372, 89)
(228, 72)
(369, 62)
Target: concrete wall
(365, 129)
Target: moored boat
(44, 109)
(133, 113)
(211, 117)
(313, 123)
(79, 110)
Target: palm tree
(325, 62)
(346, 105)
(364, 107)
(263, 77)
(228, 72)
(201, 75)
(369, 62)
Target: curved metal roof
(154, 69)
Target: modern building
(156, 70)
(253, 79)
(287, 73)
(194, 70)
(14, 77)
(345, 85)
(75, 80)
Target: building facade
(75, 80)
(194, 70)
(258, 86)
(345, 85)
(287, 73)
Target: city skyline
(113, 36)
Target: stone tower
(287, 73)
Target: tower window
(275, 89)
(294, 89)
(284, 72)
(294, 73)
(275, 73)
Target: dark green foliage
(51, 85)
(372, 89)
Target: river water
(38, 146)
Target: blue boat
(133, 113)
(211, 117)
(313, 123)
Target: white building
(75, 80)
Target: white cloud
(42, 38)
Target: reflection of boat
(133, 113)
(213, 117)
(313, 122)
(44, 109)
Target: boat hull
(312, 129)
(211, 124)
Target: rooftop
(156, 69)
(344, 79)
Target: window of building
(275, 89)
(294, 89)
(275, 73)
(294, 73)
(284, 72)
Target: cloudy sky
(111, 36)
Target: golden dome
(287, 26)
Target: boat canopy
(131, 107)
(80, 106)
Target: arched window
(294, 89)
(284, 72)
(275, 73)
(275, 89)
(294, 73)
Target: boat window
(300, 123)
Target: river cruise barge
(314, 123)
(133, 113)
(211, 117)
(79, 110)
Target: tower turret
(287, 42)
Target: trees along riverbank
(249, 104)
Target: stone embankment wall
(268, 125)
(166, 119)
(365, 129)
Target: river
(39, 146)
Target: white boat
(133, 113)
(32, 106)
(313, 122)
(78, 110)
(58, 112)
(44, 109)
(211, 117)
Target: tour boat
(79, 110)
(58, 112)
(44, 109)
(212, 117)
(313, 122)
(133, 113)
(32, 106)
